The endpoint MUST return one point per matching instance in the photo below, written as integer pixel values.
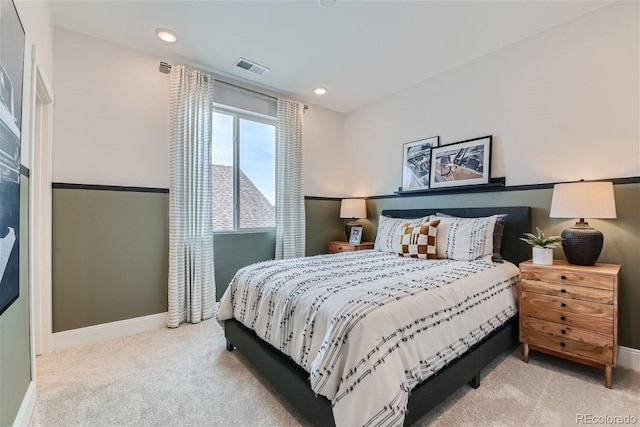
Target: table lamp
(352, 208)
(582, 243)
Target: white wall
(323, 152)
(111, 123)
(561, 105)
(111, 115)
(38, 25)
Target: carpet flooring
(185, 377)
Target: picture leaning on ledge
(416, 163)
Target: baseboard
(26, 408)
(107, 331)
(629, 358)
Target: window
(243, 155)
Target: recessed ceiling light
(320, 90)
(166, 35)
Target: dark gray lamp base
(582, 244)
(347, 228)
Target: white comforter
(369, 326)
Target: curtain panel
(290, 214)
(192, 289)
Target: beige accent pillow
(389, 231)
(466, 239)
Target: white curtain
(192, 289)
(290, 219)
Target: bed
(292, 361)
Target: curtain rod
(165, 67)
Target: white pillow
(465, 239)
(390, 232)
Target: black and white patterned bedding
(369, 326)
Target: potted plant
(542, 246)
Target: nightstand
(336, 247)
(571, 311)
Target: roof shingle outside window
(255, 209)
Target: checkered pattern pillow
(419, 241)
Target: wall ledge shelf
(496, 184)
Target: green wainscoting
(323, 224)
(233, 251)
(111, 247)
(15, 353)
(110, 251)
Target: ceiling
(361, 51)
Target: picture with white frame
(356, 235)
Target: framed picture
(11, 63)
(416, 160)
(356, 235)
(462, 163)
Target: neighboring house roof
(255, 209)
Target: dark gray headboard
(518, 222)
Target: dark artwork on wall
(11, 68)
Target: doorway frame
(40, 221)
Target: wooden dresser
(571, 311)
(335, 247)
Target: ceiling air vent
(245, 64)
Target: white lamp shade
(583, 200)
(353, 208)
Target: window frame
(238, 114)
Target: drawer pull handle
(562, 344)
(563, 332)
(563, 304)
(563, 318)
(564, 291)
(563, 277)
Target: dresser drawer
(568, 276)
(337, 246)
(565, 305)
(597, 324)
(566, 332)
(601, 354)
(341, 247)
(565, 290)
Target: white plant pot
(543, 256)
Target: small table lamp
(582, 244)
(352, 208)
